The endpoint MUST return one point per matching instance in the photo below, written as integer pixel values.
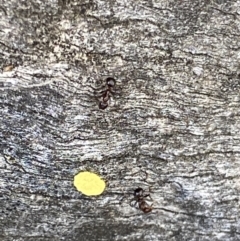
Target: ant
(139, 198)
(106, 95)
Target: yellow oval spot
(89, 183)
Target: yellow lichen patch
(89, 183)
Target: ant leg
(148, 194)
(131, 201)
(122, 199)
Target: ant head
(138, 192)
(110, 82)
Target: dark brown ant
(110, 82)
(139, 198)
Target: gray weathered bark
(172, 123)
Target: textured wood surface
(172, 123)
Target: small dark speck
(103, 105)
(83, 11)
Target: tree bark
(172, 122)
